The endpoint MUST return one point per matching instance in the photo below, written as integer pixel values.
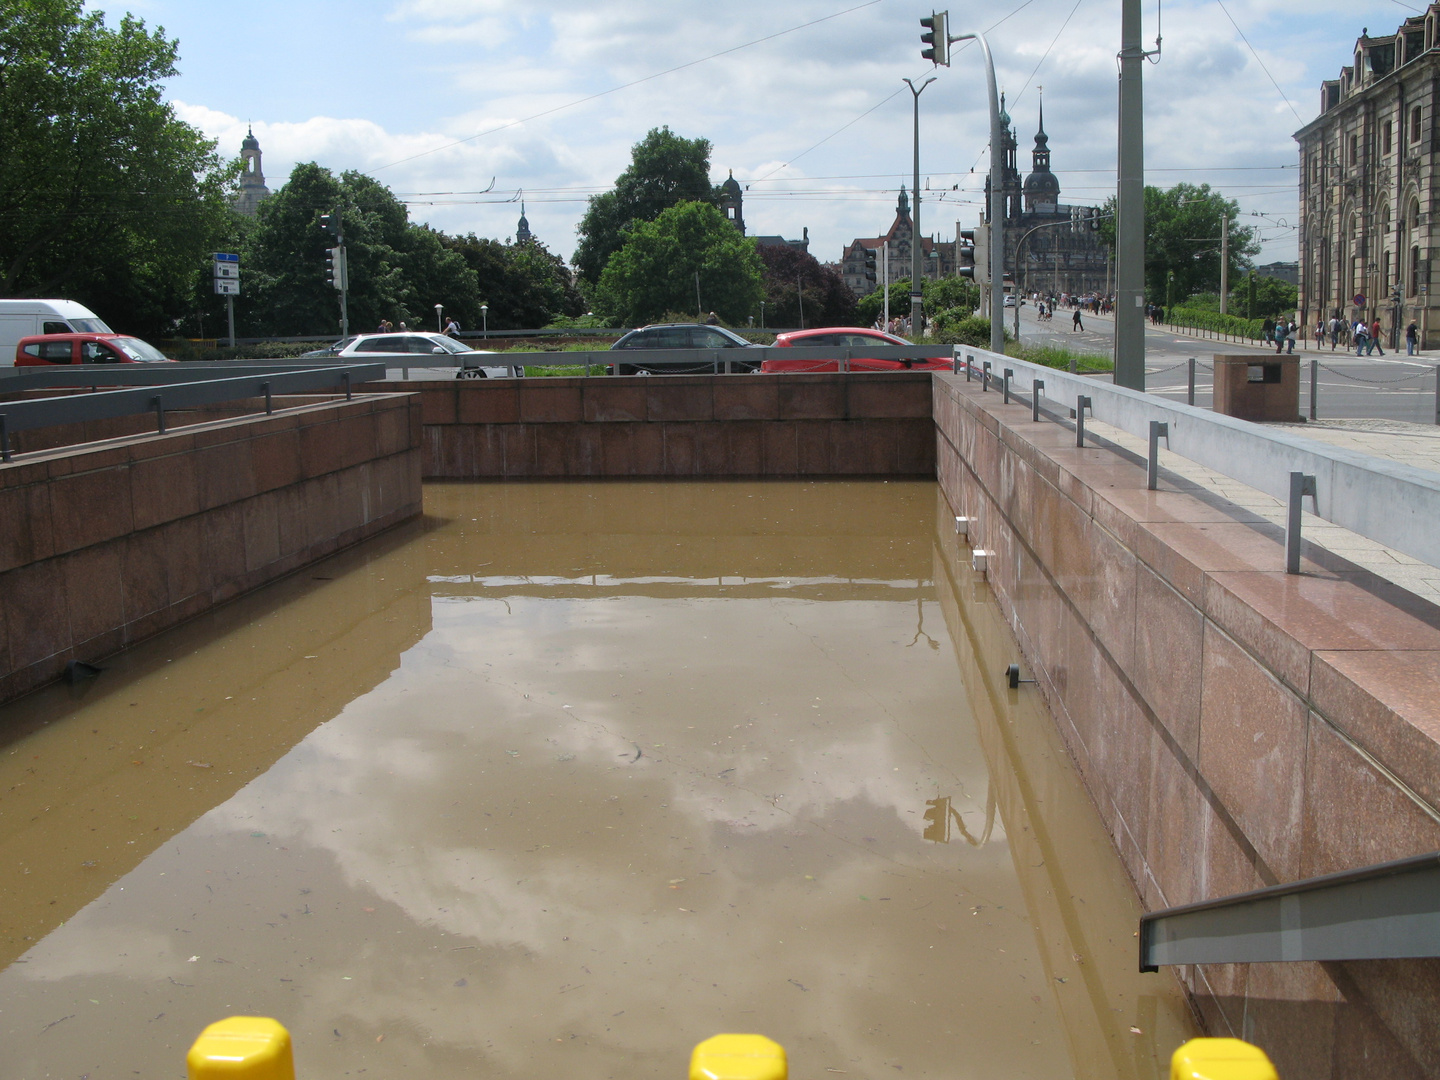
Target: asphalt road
(1349, 387)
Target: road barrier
(1393, 504)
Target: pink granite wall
(739, 425)
(1236, 727)
(103, 545)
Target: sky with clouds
(803, 101)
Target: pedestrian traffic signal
(937, 36)
(335, 269)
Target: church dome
(250, 142)
(731, 186)
(1043, 183)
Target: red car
(47, 350)
(851, 337)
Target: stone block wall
(106, 544)
(1236, 726)
(871, 424)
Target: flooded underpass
(562, 781)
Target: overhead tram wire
(1263, 68)
(635, 82)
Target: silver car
(419, 350)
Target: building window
(1415, 124)
(1354, 149)
(1385, 130)
(1414, 282)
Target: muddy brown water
(562, 781)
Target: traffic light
(965, 265)
(937, 36)
(327, 222)
(870, 265)
(335, 268)
(938, 815)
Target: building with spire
(1050, 247)
(732, 205)
(860, 264)
(522, 228)
(252, 179)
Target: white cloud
(468, 66)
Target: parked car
(683, 336)
(411, 350)
(851, 337)
(47, 350)
(30, 318)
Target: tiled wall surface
(1236, 726)
(101, 546)
(737, 425)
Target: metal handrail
(31, 414)
(78, 376)
(1387, 911)
(1393, 504)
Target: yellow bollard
(738, 1057)
(1221, 1059)
(242, 1048)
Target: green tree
(1182, 237)
(664, 170)
(789, 274)
(105, 196)
(656, 270)
(525, 285)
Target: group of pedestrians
(1365, 336)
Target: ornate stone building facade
(1051, 247)
(252, 179)
(860, 263)
(1367, 184)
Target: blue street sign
(221, 256)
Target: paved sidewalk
(1417, 445)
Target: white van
(22, 318)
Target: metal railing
(1393, 504)
(1389, 911)
(717, 361)
(165, 396)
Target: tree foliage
(656, 271)
(105, 197)
(946, 299)
(789, 274)
(665, 169)
(1182, 238)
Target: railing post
(1037, 387)
(1009, 374)
(1074, 365)
(1314, 385)
(269, 403)
(1081, 404)
(970, 363)
(4, 439)
(159, 413)
(1152, 467)
(1300, 486)
(1190, 392)
(985, 375)
(345, 377)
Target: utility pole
(916, 294)
(1224, 263)
(885, 280)
(1130, 207)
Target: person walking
(1077, 324)
(1375, 339)
(1290, 331)
(1334, 332)
(1268, 326)
(1361, 336)
(1412, 339)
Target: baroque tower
(252, 179)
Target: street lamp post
(997, 208)
(485, 315)
(916, 294)
(440, 326)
